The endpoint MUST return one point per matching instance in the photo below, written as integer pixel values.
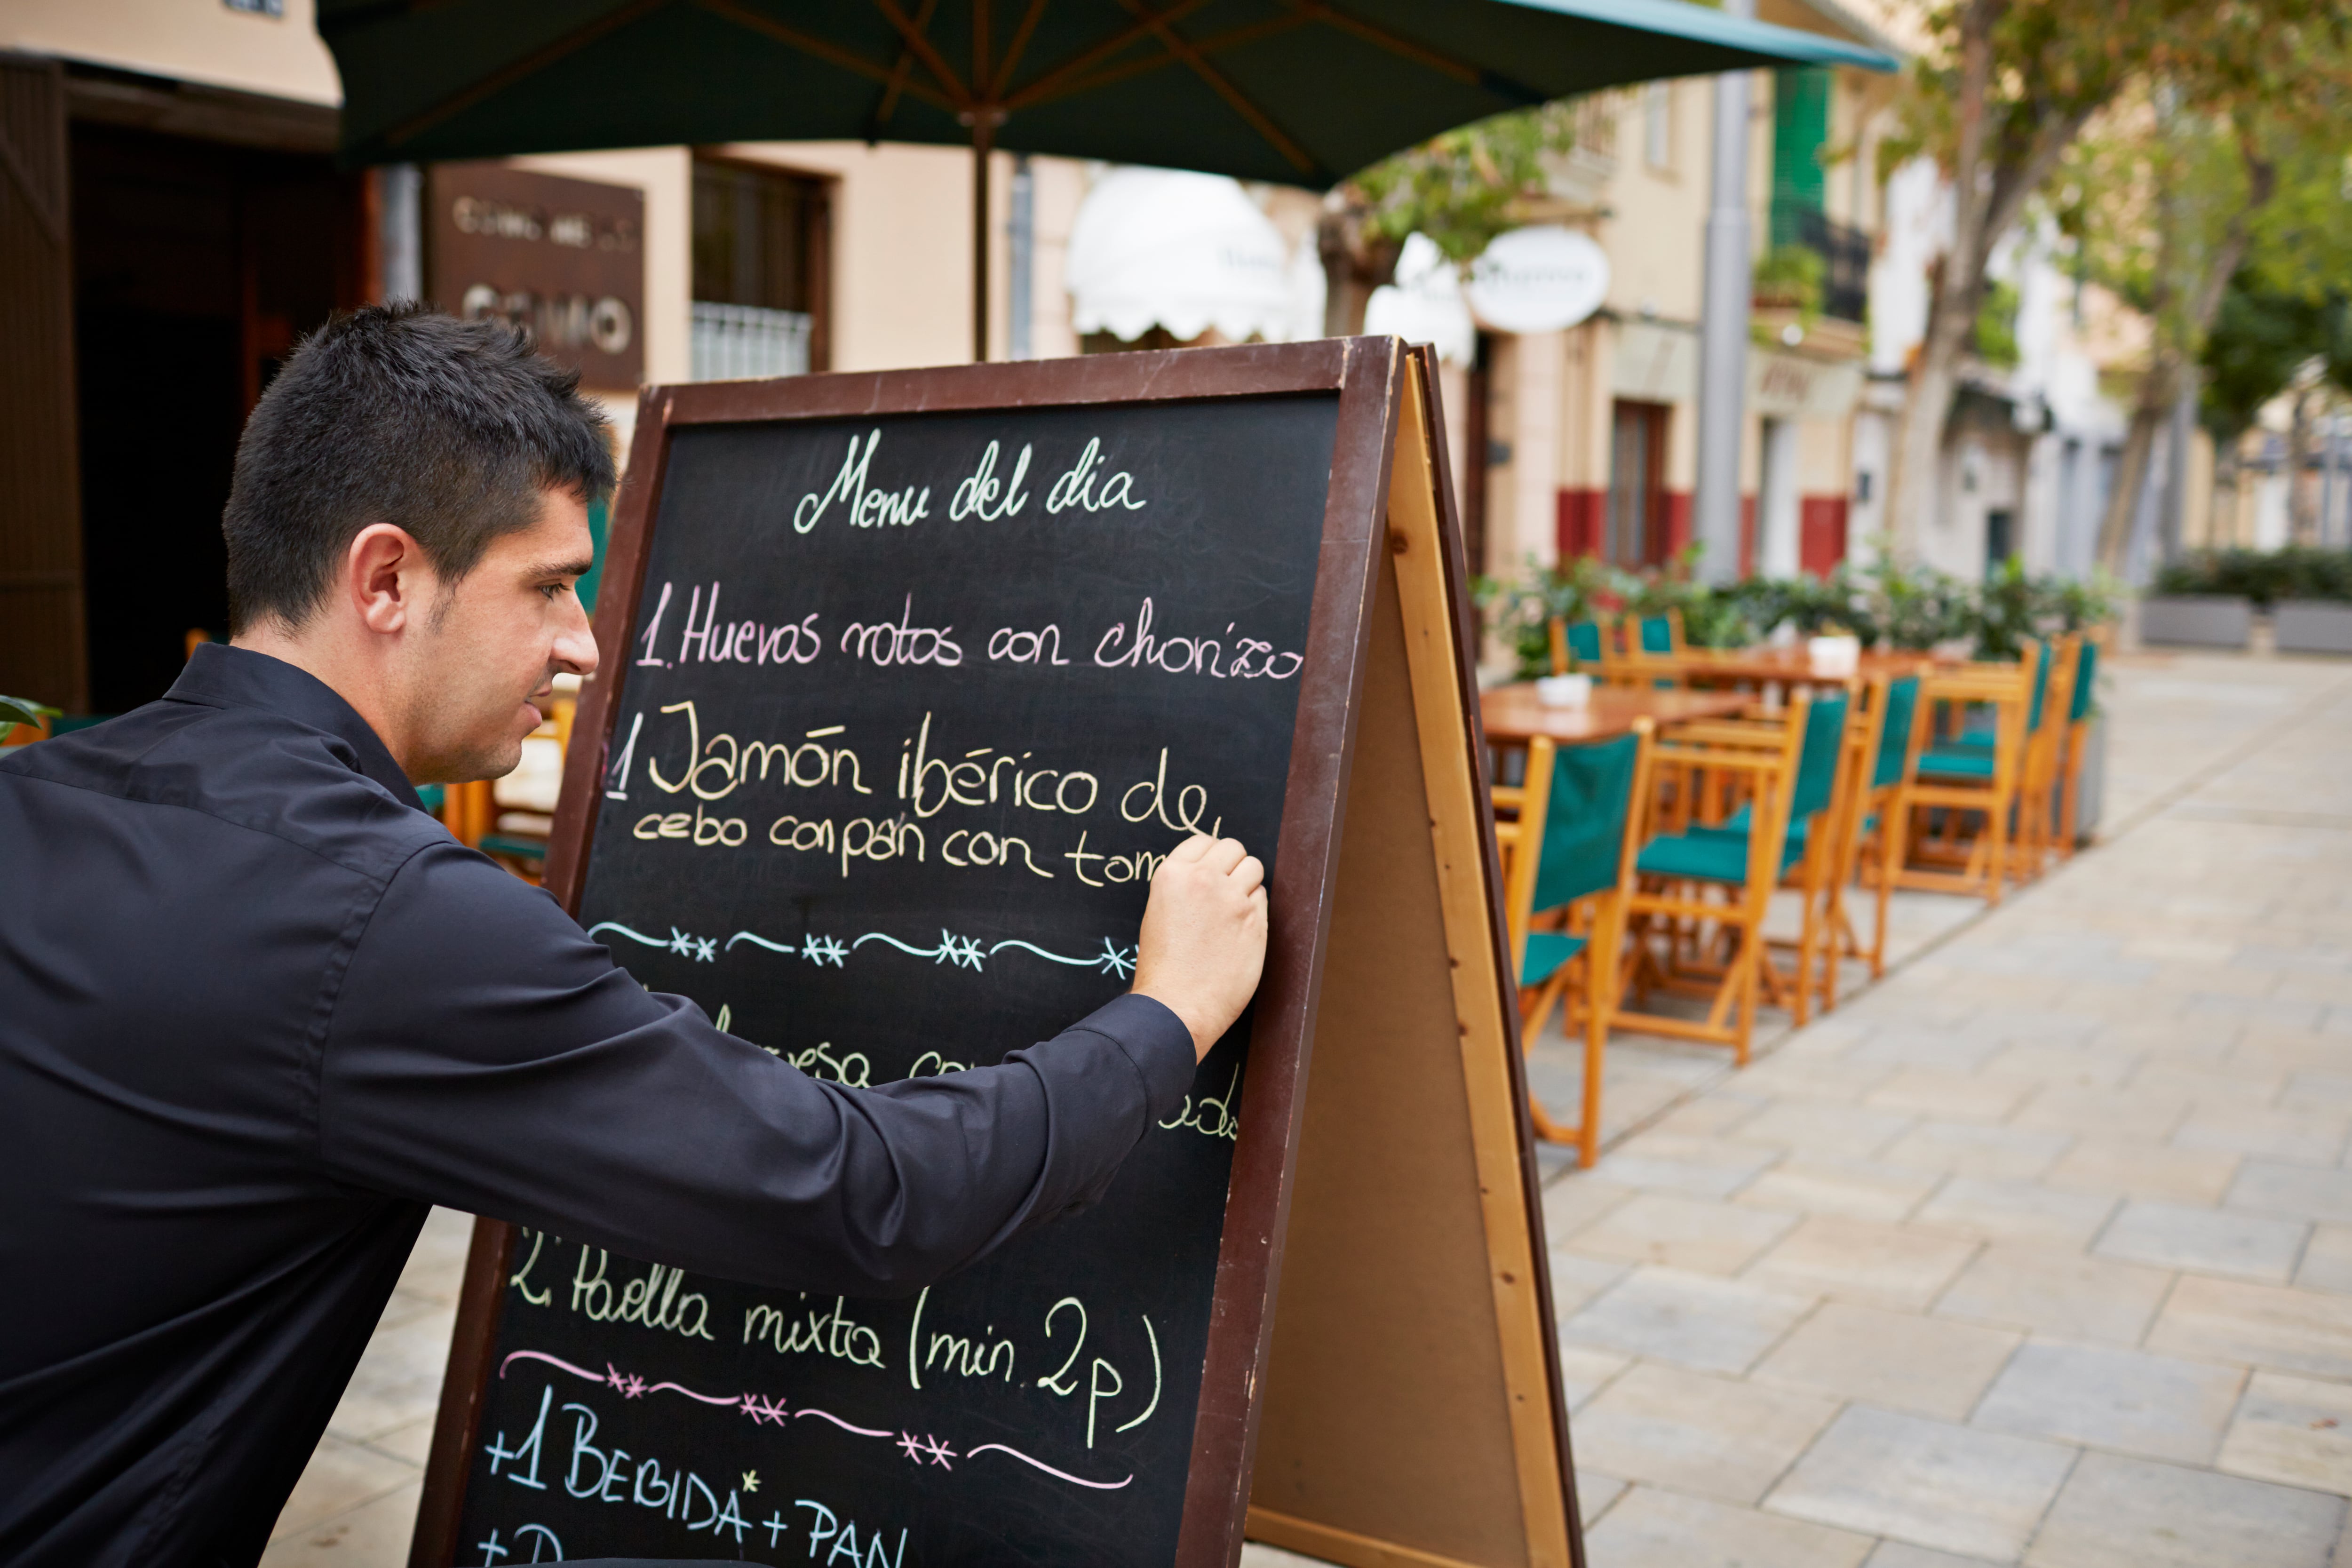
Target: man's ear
(387, 577)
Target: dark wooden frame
(1369, 375)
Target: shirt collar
(221, 676)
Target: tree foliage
(1459, 188)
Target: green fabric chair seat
(1584, 822)
(1894, 735)
(1951, 762)
(1546, 951)
(1705, 856)
(1657, 634)
(1736, 827)
(1584, 641)
(2086, 679)
(520, 848)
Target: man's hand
(1203, 942)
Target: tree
(2007, 87)
(1461, 189)
(2261, 338)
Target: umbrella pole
(984, 137)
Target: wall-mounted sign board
(562, 258)
(909, 679)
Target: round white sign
(1537, 280)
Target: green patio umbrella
(1299, 92)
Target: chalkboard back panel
(1265, 468)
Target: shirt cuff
(1156, 1040)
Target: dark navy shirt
(258, 1011)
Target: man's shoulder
(247, 768)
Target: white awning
(1160, 248)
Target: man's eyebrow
(563, 569)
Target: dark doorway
(1637, 462)
(197, 268)
(2001, 539)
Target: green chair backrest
(2041, 689)
(1817, 763)
(1657, 635)
(1584, 642)
(1894, 739)
(2086, 675)
(1584, 823)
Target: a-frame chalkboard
(908, 676)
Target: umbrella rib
(1014, 51)
(1177, 45)
(1112, 74)
(830, 53)
(506, 76)
(1420, 54)
(933, 60)
(898, 83)
(1044, 86)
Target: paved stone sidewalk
(2039, 1252)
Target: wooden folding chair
(1892, 758)
(1582, 639)
(2045, 756)
(1699, 878)
(1967, 780)
(2079, 706)
(1568, 836)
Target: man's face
(482, 668)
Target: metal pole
(1723, 330)
(984, 137)
(1022, 223)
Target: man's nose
(575, 645)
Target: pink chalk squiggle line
(773, 1410)
(1039, 1464)
(829, 1416)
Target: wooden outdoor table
(1788, 666)
(1515, 717)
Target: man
(257, 1010)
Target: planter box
(2197, 621)
(2090, 784)
(2313, 626)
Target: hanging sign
(1539, 279)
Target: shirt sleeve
(484, 1053)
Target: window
(1658, 126)
(759, 272)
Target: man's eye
(551, 589)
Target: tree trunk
(2131, 477)
(2303, 519)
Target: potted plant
(2199, 602)
(22, 723)
(2314, 611)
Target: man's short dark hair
(396, 413)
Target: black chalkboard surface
(908, 682)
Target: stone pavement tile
(1901, 1267)
(1862, 1189)
(413, 1443)
(1654, 1529)
(2298, 1190)
(2313, 986)
(2270, 1326)
(1824, 1129)
(1972, 1149)
(436, 1265)
(1258, 1555)
(1954, 1096)
(2300, 1137)
(1925, 1482)
(2016, 1211)
(2103, 1112)
(1683, 1233)
(1895, 1361)
(2317, 1089)
(1576, 1200)
(1585, 1372)
(398, 1379)
(2085, 1066)
(1962, 1049)
(1697, 1432)
(2134, 1513)
(339, 1477)
(1776, 1077)
(2266, 1046)
(1595, 1494)
(373, 1534)
(1576, 1280)
(2327, 1261)
(1902, 1554)
(2293, 1431)
(2207, 1087)
(1692, 1320)
(2145, 1168)
(2207, 1241)
(1705, 1167)
(2107, 1397)
(2285, 1011)
(2011, 1022)
(2058, 1292)
(1710, 1115)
